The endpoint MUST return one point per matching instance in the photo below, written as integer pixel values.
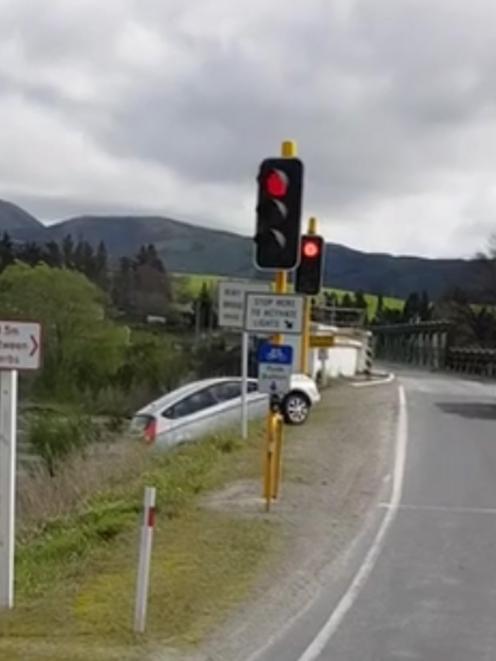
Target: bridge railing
(472, 360)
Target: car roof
(184, 391)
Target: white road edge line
(442, 508)
(318, 644)
(380, 382)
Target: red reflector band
(151, 518)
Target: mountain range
(189, 248)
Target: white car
(206, 406)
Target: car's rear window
(140, 422)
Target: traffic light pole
(305, 337)
(273, 457)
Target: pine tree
(6, 251)
(347, 301)
(360, 301)
(101, 266)
(52, 254)
(68, 251)
(425, 307)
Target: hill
(14, 219)
(192, 249)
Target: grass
(75, 578)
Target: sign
(274, 313)
(20, 345)
(322, 341)
(232, 301)
(274, 369)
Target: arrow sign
(36, 345)
(20, 345)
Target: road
(424, 588)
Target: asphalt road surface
(425, 585)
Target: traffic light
(277, 239)
(310, 271)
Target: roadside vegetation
(75, 564)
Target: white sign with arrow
(20, 345)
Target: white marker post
(8, 414)
(19, 350)
(145, 553)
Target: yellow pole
(277, 454)
(305, 337)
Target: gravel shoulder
(336, 468)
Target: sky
(168, 106)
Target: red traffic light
(311, 249)
(276, 183)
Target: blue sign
(276, 354)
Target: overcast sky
(168, 106)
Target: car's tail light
(150, 431)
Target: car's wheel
(295, 408)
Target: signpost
(232, 301)
(275, 363)
(274, 314)
(231, 315)
(20, 349)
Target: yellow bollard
(278, 429)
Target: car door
(258, 404)
(228, 396)
(191, 417)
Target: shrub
(53, 437)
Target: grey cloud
(380, 99)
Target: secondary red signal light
(276, 183)
(310, 249)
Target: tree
(68, 251)
(360, 301)
(101, 267)
(81, 348)
(52, 254)
(142, 285)
(424, 307)
(123, 293)
(6, 251)
(30, 253)
(411, 309)
(380, 306)
(347, 301)
(88, 261)
(205, 306)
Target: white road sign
(232, 301)
(274, 379)
(20, 345)
(274, 313)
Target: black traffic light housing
(277, 238)
(310, 272)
